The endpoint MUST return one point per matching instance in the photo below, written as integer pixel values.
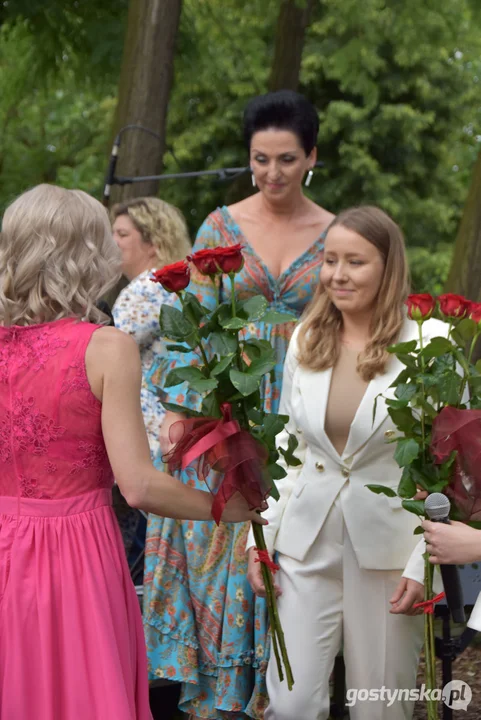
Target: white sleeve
(276, 508)
(414, 569)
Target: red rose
(220, 259)
(230, 259)
(421, 306)
(474, 311)
(205, 261)
(453, 306)
(173, 277)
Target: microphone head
(437, 506)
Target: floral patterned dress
(136, 312)
(204, 627)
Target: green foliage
(429, 268)
(439, 375)
(232, 371)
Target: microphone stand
(111, 179)
(448, 649)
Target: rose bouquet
(438, 445)
(231, 439)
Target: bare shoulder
(113, 345)
(322, 216)
(244, 209)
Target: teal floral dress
(204, 627)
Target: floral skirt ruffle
(203, 625)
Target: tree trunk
(144, 89)
(465, 273)
(292, 23)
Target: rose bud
(230, 259)
(205, 261)
(420, 306)
(453, 306)
(173, 278)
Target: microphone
(110, 177)
(437, 507)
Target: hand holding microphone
(437, 507)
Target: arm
(113, 358)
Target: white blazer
(380, 530)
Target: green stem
(198, 338)
(234, 309)
(429, 642)
(277, 632)
(421, 360)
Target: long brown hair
(320, 332)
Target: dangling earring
(309, 178)
(253, 177)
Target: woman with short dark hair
(204, 626)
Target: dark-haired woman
(204, 627)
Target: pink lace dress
(71, 638)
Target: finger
(398, 593)
(255, 517)
(434, 560)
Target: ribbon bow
(223, 446)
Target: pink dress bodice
(51, 443)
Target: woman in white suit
(346, 554)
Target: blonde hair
(320, 332)
(57, 257)
(160, 224)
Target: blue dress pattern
(204, 627)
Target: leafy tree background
(396, 84)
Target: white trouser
(328, 602)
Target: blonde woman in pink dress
(71, 637)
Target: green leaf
(193, 311)
(261, 366)
(232, 323)
(381, 490)
(402, 377)
(204, 385)
(210, 406)
(274, 424)
(274, 492)
(408, 360)
(223, 363)
(223, 343)
(183, 374)
(276, 472)
(414, 506)
(465, 331)
(243, 382)
(436, 347)
(406, 451)
(178, 348)
(405, 392)
(402, 418)
(173, 324)
(449, 388)
(272, 317)
(418, 530)
(405, 347)
(255, 307)
(172, 407)
(407, 486)
(288, 453)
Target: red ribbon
(264, 557)
(220, 445)
(428, 605)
